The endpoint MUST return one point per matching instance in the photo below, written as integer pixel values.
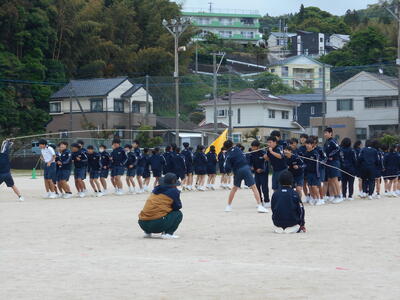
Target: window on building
(96, 105)
(380, 102)
(63, 133)
(221, 113)
(285, 114)
(135, 107)
(236, 137)
(247, 34)
(285, 71)
(344, 104)
(361, 133)
(118, 105)
(321, 39)
(238, 116)
(271, 113)
(55, 107)
(272, 70)
(225, 34)
(247, 21)
(312, 110)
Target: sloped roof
(211, 126)
(250, 96)
(303, 98)
(169, 123)
(88, 87)
(131, 91)
(388, 79)
(345, 37)
(283, 34)
(292, 58)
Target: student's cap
(169, 180)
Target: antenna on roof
(210, 3)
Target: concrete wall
(342, 126)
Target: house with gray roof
(279, 40)
(103, 103)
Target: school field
(93, 249)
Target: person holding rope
(64, 165)
(368, 163)
(49, 157)
(5, 168)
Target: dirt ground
(92, 248)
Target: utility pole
(197, 59)
(230, 112)
(70, 109)
(324, 104)
(147, 100)
(215, 82)
(176, 27)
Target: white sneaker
(370, 198)
(394, 194)
(376, 196)
(293, 229)
(228, 208)
(350, 198)
(47, 195)
(320, 202)
(99, 194)
(119, 193)
(82, 195)
(212, 187)
(337, 200)
(167, 236)
(147, 235)
(267, 204)
(261, 209)
(67, 196)
(312, 201)
(278, 229)
(20, 198)
(331, 199)
(53, 196)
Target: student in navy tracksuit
(349, 165)
(276, 159)
(85, 164)
(323, 189)
(212, 162)
(391, 163)
(94, 168)
(105, 166)
(357, 149)
(368, 162)
(64, 164)
(141, 162)
(379, 171)
(79, 159)
(169, 165)
(179, 163)
(236, 163)
(118, 161)
(131, 164)
(287, 208)
(200, 167)
(146, 170)
(277, 134)
(296, 167)
(187, 184)
(312, 169)
(332, 150)
(301, 151)
(157, 164)
(224, 176)
(5, 168)
(259, 166)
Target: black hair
(136, 142)
(177, 149)
(368, 143)
(168, 148)
(186, 145)
(52, 146)
(80, 142)
(357, 144)
(289, 148)
(286, 179)
(304, 136)
(90, 147)
(255, 143)
(212, 148)
(310, 141)
(200, 148)
(240, 146)
(376, 144)
(42, 142)
(346, 142)
(76, 145)
(314, 138)
(385, 148)
(276, 133)
(156, 150)
(392, 148)
(228, 144)
(63, 143)
(293, 141)
(146, 150)
(328, 129)
(116, 141)
(272, 138)
(128, 146)
(190, 148)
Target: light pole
(215, 82)
(176, 27)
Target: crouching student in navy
(312, 170)
(105, 162)
(64, 165)
(5, 168)
(277, 160)
(161, 212)
(260, 168)
(296, 167)
(79, 159)
(287, 208)
(237, 163)
(118, 161)
(94, 168)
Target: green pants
(168, 224)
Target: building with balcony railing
(236, 25)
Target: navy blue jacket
(105, 159)
(199, 162)
(66, 160)
(391, 163)
(179, 163)
(258, 162)
(348, 159)
(171, 192)
(130, 159)
(322, 156)
(169, 164)
(332, 149)
(301, 150)
(141, 160)
(94, 161)
(221, 161)
(188, 157)
(118, 157)
(295, 160)
(146, 158)
(287, 208)
(283, 144)
(211, 162)
(369, 157)
(5, 166)
(312, 164)
(278, 164)
(157, 162)
(235, 159)
(82, 162)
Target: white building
(364, 106)
(253, 109)
(279, 40)
(338, 41)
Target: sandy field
(92, 248)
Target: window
(380, 102)
(271, 113)
(285, 114)
(321, 40)
(272, 70)
(96, 105)
(238, 115)
(136, 107)
(312, 112)
(361, 133)
(221, 113)
(236, 137)
(344, 104)
(118, 105)
(225, 34)
(63, 133)
(55, 107)
(285, 71)
(247, 34)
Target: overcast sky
(279, 7)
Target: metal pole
(230, 107)
(197, 59)
(147, 100)
(324, 106)
(176, 75)
(130, 119)
(70, 109)
(398, 66)
(215, 92)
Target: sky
(279, 7)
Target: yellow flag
(219, 142)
